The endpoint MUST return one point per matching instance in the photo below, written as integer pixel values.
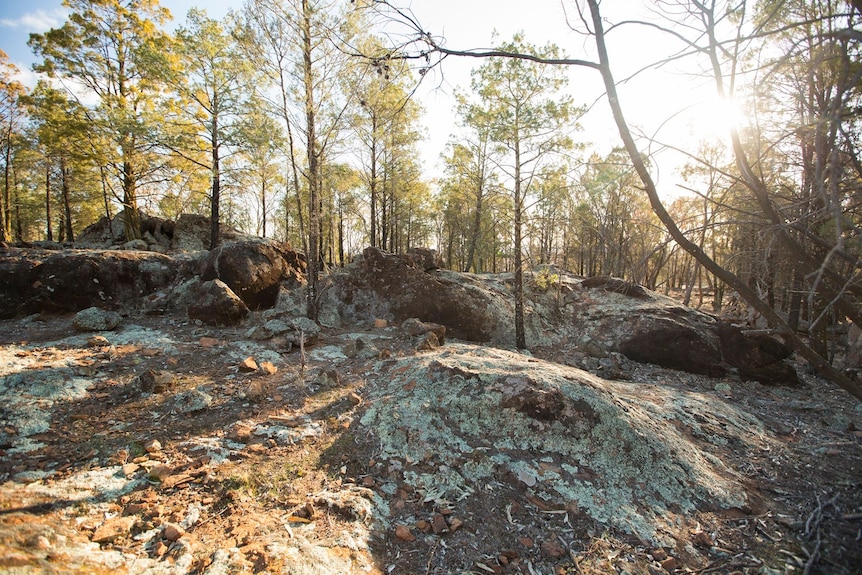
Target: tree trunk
(520, 337)
(215, 197)
(67, 204)
(313, 167)
(48, 216)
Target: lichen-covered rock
(95, 319)
(636, 459)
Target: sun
(716, 116)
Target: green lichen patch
(637, 459)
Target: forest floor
(155, 449)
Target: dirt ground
(276, 474)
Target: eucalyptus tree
(529, 118)
(214, 84)
(104, 52)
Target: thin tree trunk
(48, 216)
(313, 167)
(520, 337)
(215, 198)
(67, 204)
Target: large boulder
(216, 304)
(71, 280)
(254, 269)
(382, 285)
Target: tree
(213, 84)
(11, 119)
(106, 48)
(527, 117)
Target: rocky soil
(164, 445)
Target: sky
(669, 102)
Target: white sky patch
(38, 21)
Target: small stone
(380, 323)
(368, 481)
(98, 341)
(701, 539)
(659, 554)
(159, 549)
(113, 529)
(208, 342)
(159, 472)
(526, 542)
(172, 532)
(670, 564)
(129, 469)
(268, 367)
(135, 508)
(455, 524)
(403, 533)
(553, 549)
(423, 525)
(438, 524)
(248, 364)
(152, 446)
(723, 388)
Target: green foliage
(545, 279)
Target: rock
(383, 285)
(414, 327)
(152, 446)
(95, 319)
(510, 414)
(191, 233)
(217, 304)
(140, 245)
(153, 381)
(438, 524)
(758, 357)
(554, 549)
(254, 269)
(76, 280)
(380, 323)
(192, 401)
(98, 341)
(268, 368)
(172, 531)
(403, 533)
(616, 285)
(113, 529)
(248, 364)
(426, 258)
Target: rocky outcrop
(639, 459)
(382, 285)
(72, 280)
(593, 316)
(255, 269)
